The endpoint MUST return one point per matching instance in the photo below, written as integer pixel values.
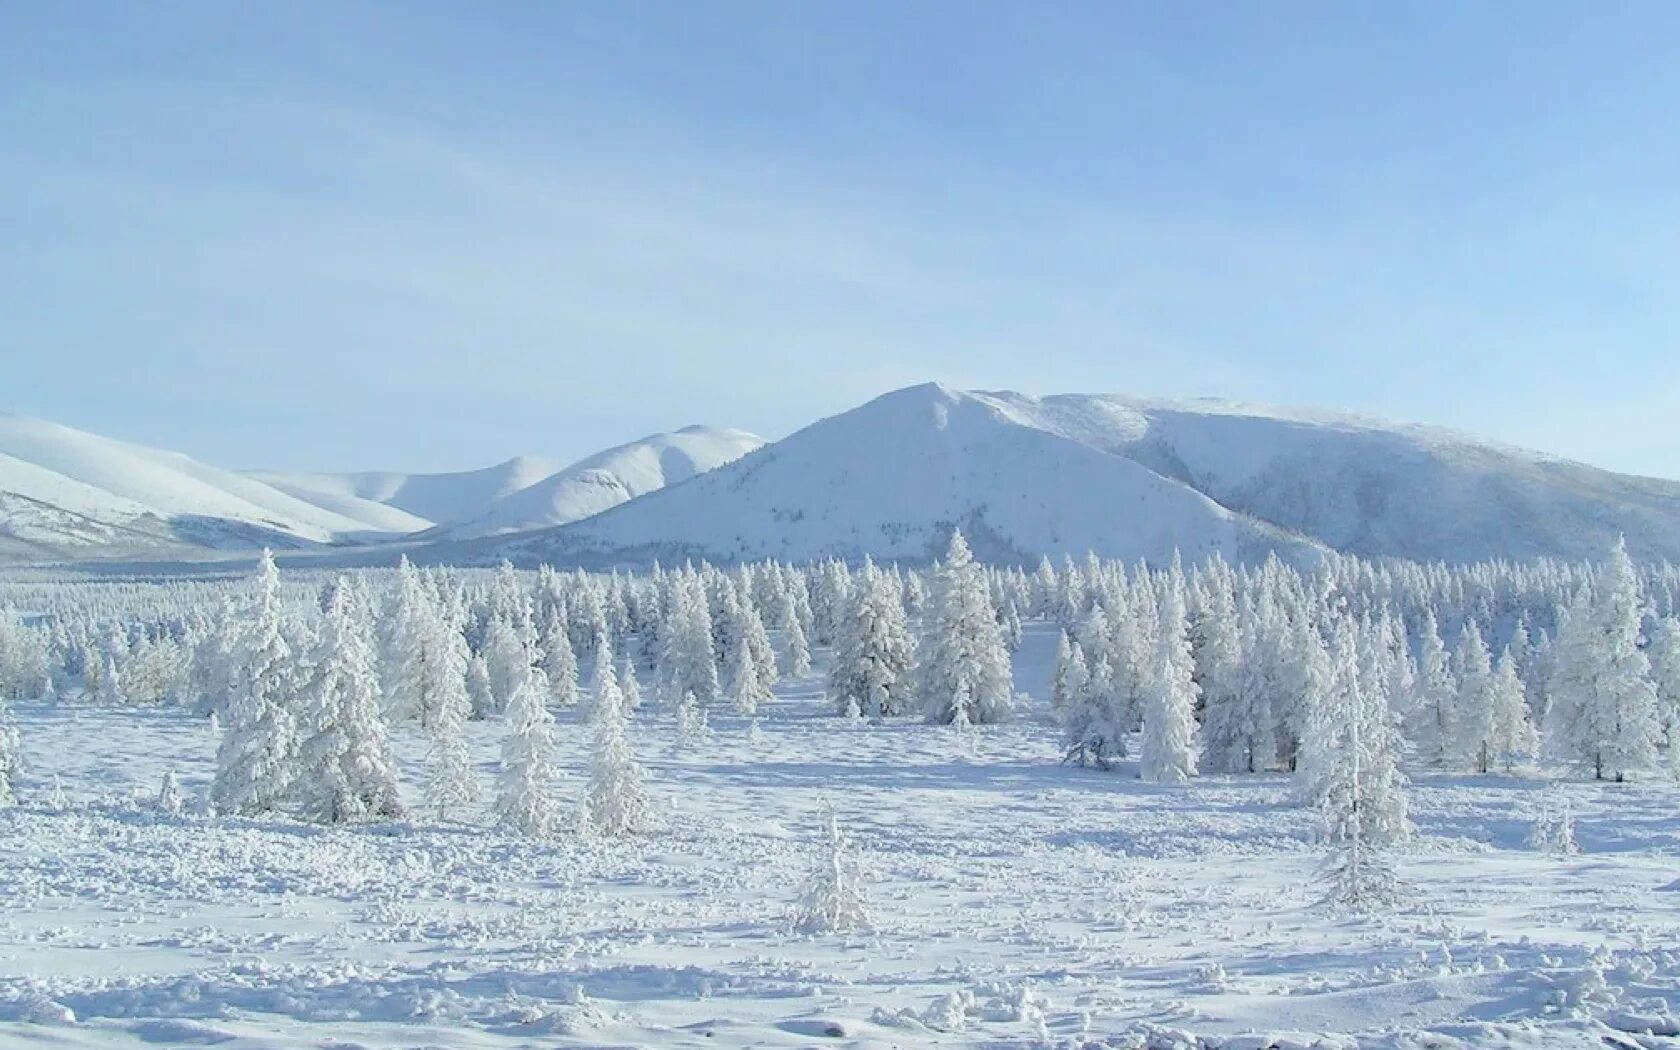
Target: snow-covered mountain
(1123, 477)
(529, 492)
(69, 494)
(416, 502)
(606, 479)
(65, 492)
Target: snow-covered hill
(529, 492)
(415, 502)
(67, 493)
(1123, 477)
(609, 478)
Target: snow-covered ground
(1016, 902)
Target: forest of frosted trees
(1351, 675)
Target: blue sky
(431, 236)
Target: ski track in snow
(1016, 902)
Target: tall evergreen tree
(257, 758)
(1167, 753)
(962, 661)
(1604, 713)
(346, 770)
(616, 801)
(524, 800)
(873, 654)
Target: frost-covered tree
(559, 663)
(1604, 706)
(873, 653)
(1231, 720)
(1510, 737)
(615, 802)
(1663, 651)
(1062, 688)
(1350, 764)
(630, 685)
(796, 649)
(24, 659)
(169, 795)
(524, 800)
(257, 758)
(480, 693)
(1554, 826)
(346, 772)
(833, 899)
(506, 661)
(110, 687)
(450, 781)
(1435, 716)
(747, 687)
(1095, 726)
(687, 660)
(691, 721)
(1167, 751)
(1473, 667)
(11, 755)
(962, 668)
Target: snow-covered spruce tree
(1231, 721)
(1062, 688)
(1350, 760)
(872, 655)
(961, 661)
(1554, 826)
(1253, 728)
(1663, 651)
(450, 781)
(559, 663)
(346, 772)
(615, 802)
(1167, 751)
(1434, 714)
(833, 899)
(746, 686)
(1604, 706)
(11, 755)
(169, 795)
(23, 658)
(796, 649)
(479, 691)
(629, 685)
(524, 800)
(690, 721)
(1094, 725)
(257, 757)
(110, 689)
(1511, 738)
(1474, 746)
(507, 662)
(687, 661)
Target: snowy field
(1015, 902)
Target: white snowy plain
(1016, 902)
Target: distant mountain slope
(65, 492)
(889, 479)
(1123, 477)
(529, 492)
(414, 502)
(609, 478)
(1372, 487)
